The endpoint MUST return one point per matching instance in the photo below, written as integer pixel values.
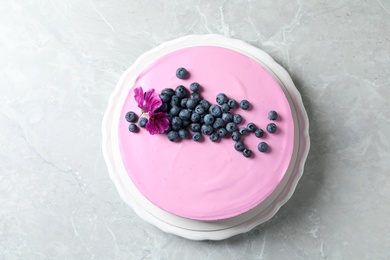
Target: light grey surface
(60, 61)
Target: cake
(208, 181)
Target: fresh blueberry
(239, 146)
(186, 123)
(271, 128)
(207, 129)
(237, 119)
(251, 127)
(259, 132)
(168, 91)
(208, 119)
(194, 87)
(227, 117)
(176, 121)
(195, 127)
(184, 134)
(196, 136)
(142, 121)
(133, 128)
(191, 103)
(225, 108)
(218, 123)
(214, 137)
(185, 114)
(175, 101)
(131, 117)
(163, 108)
(183, 102)
(236, 136)
(195, 117)
(244, 104)
(175, 110)
(247, 153)
(222, 132)
(215, 110)
(196, 97)
(182, 73)
(232, 103)
(181, 91)
(176, 127)
(221, 98)
(263, 147)
(205, 104)
(165, 97)
(173, 136)
(231, 127)
(243, 130)
(272, 115)
(200, 109)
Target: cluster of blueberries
(188, 111)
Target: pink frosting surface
(206, 180)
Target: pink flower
(158, 123)
(148, 101)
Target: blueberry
(131, 117)
(207, 129)
(186, 123)
(176, 121)
(208, 119)
(196, 97)
(165, 97)
(191, 103)
(236, 136)
(176, 127)
(222, 132)
(205, 104)
(175, 110)
(182, 73)
(195, 117)
(272, 115)
(237, 119)
(271, 128)
(263, 147)
(163, 108)
(195, 127)
(243, 131)
(218, 123)
(239, 146)
(183, 102)
(244, 104)
(175, 101)
(194, 87)
(196, 137)
(173, 136)
(200, 109)
(259, 132)
(214, 137)
(251, 127)
(247, 153)
(232, 103)
(133, 128)
(168, 91)
(221, 98)
(227, 117)
(185, 114)
(181, 91)
(231, 127)
(225, 107)
(142, 121)
(215, 110)
(184, 134)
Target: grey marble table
(60, 61)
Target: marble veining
(60, 61)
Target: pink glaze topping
(206, 180)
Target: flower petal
(152, 100)
(158, 123)
(139, 96)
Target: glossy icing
(209, 181)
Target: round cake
(208, 181)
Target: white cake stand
(187, 228)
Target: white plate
(187, 228)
